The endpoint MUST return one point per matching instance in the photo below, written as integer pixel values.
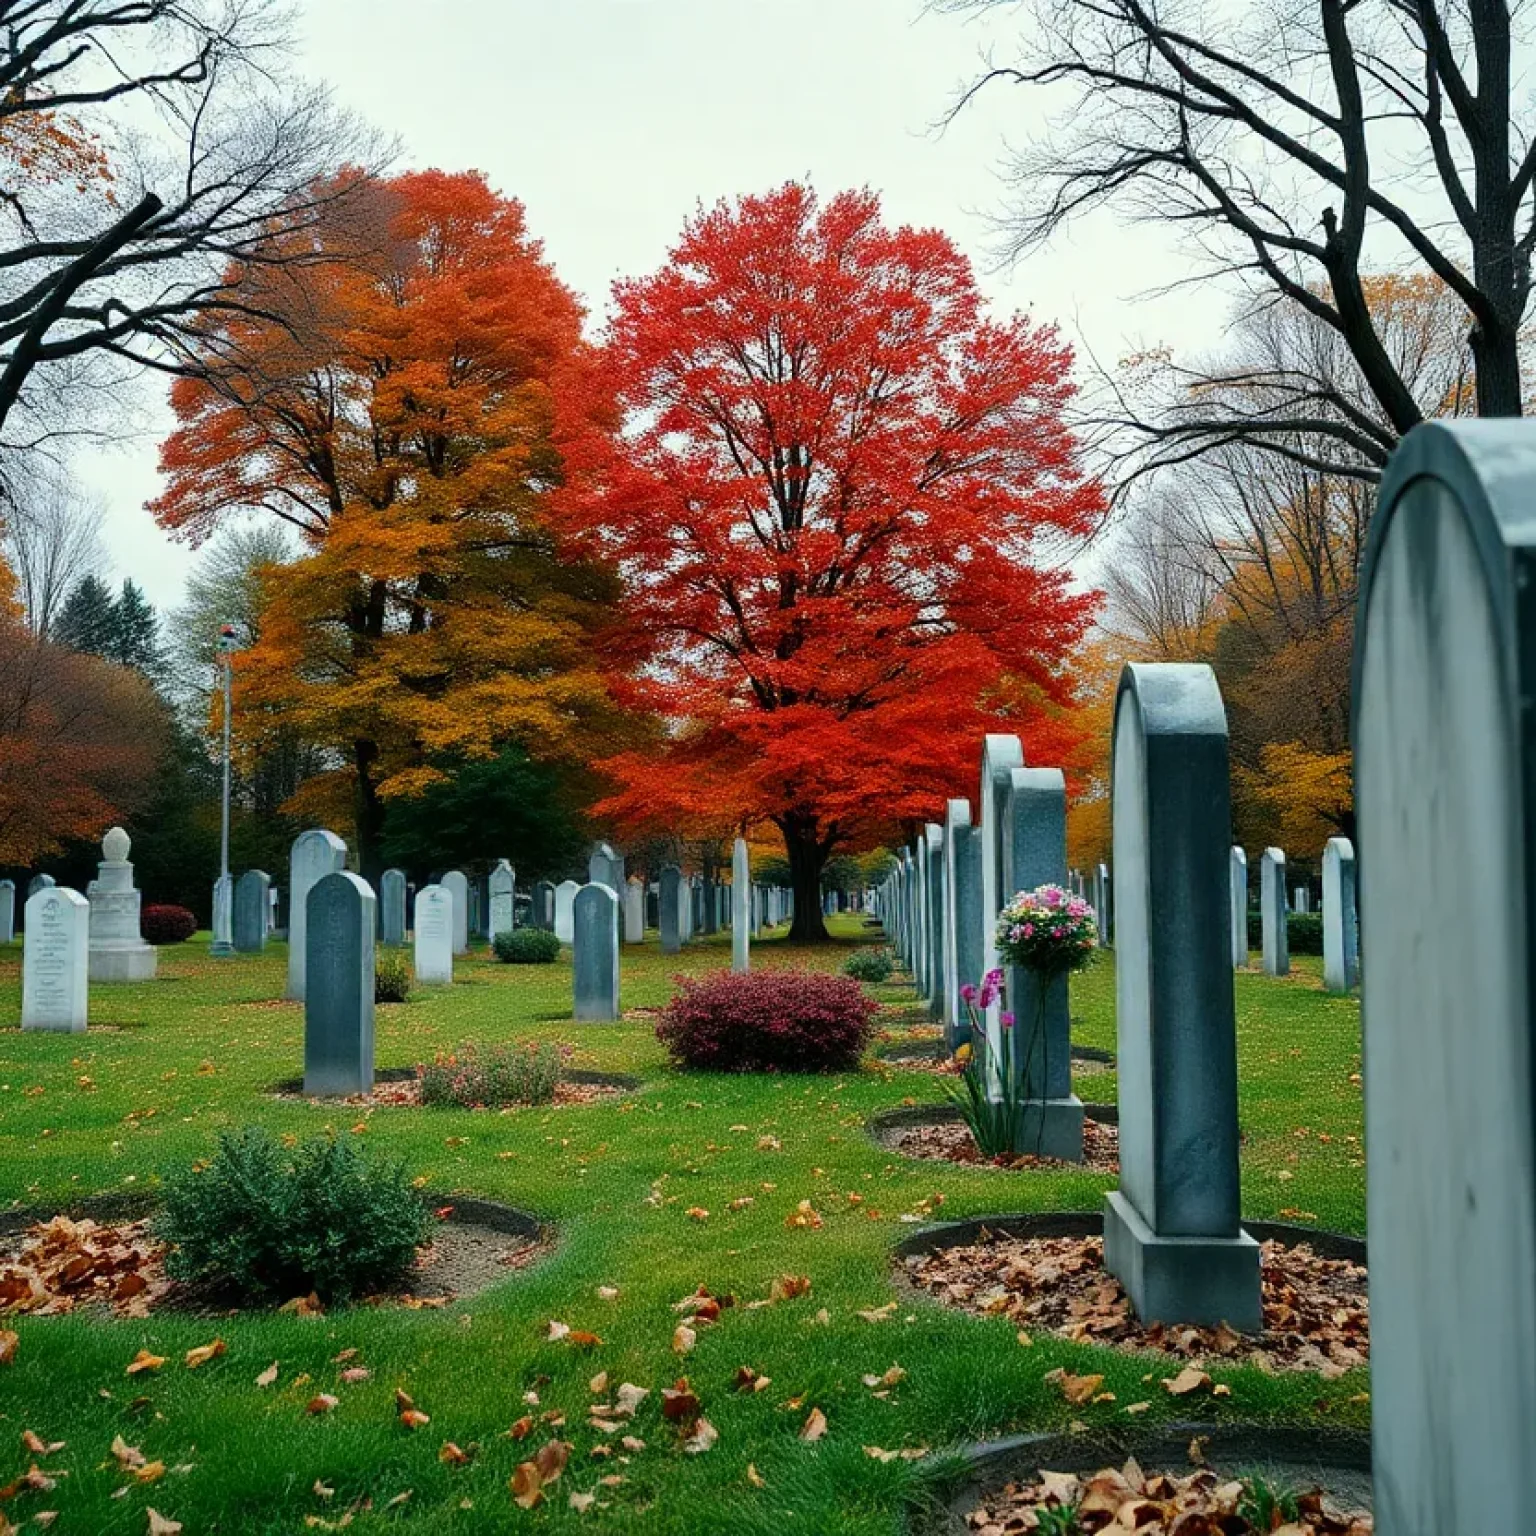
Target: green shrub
(527, 946)
(391, 977)
(1304, 932)
(871, 965)
(505, 1074)
(273, 1223)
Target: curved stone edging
(623, 1082)
(1337, 1460)
(961, 1234)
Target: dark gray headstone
(252, 907)
(1340, 936)
(1172, 1233)
(671, 910)
(933, 863)
(544, 905)
(392, 923)
(1034, 832)
(338, 1003)
(7, 911)
(595, 954)
(1445, 786)
(39, 883)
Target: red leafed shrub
(167, 925)
(768, 1021)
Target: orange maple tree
(835, 502)
(399, 414)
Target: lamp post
(223, 891)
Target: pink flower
(991, 988)
(968, 993)
(1029, 930)
(1056, 933)
(1006, 1020)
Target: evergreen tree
(135, 632)
(87, 621)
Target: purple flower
(991, 987)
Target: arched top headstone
(115, 846)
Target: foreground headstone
(1340, 937)
(595, 954)
(634, 911)
(7, 911)
(1445, 786)
(502, 900)
(54, 961)
(1172, 1234)
(338, 1005)
(565, 915)
(1238, 907)
(315, 855)
(671, 910)
(392, 923)
(433, 925)
(456, 883)
(962, 918)
(1035, 854)
(1272, 913)
(117, 948)
(253, 906)
(741, 906)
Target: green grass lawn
(168, 1064)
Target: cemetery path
(692, 1180)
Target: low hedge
(1304, 932)
(527, 946)
(166, 925)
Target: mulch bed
(1316, 1312)
(406, 1094)
(950, 1142)
(63, 1266)
(1199, 1503)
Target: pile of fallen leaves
(1201, 1504)
(407, 1095)
(63, 1264)
(1316, 1314)
(950, 1141)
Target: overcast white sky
(613, 119)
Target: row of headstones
(1341, 939)
(1445, 791)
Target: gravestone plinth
(595, 954)
(1034, 832)
(7, 911)
(503, 899)
(565, 911)
(962, 919)
(253, 907)
(55, 961)
(671, 910)
(741, 906)
(315, 855)
(634, 911)
(392, 908)
(117, 948)
(456, 883)
(1272, 913)
(433, 926)
(1340, 939)
(1445, 794)
(1172, 1233)
(338, 1003)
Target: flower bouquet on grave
(1048, 932)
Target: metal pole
(223, 915)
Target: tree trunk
(807, 858)
(368, 814)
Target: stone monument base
(133, 962)
(1052, 1128)
(1201, 1281)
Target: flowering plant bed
(1316, 1311)
(951, 1141)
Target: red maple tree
(835, 501)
